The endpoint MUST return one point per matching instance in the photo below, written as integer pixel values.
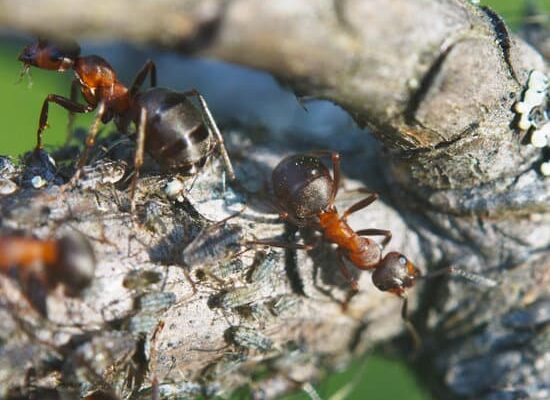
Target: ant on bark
(305, 193)
(169, 126)
(39, 266)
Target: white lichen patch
(540, 137)
(38, 182)
(534, 97)
(533, 113)
(7, 187)
(174, 189)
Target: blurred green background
(20, 103)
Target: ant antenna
(153, 361)
(417, 342)
(455, 271)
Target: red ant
(305, 192)
(169, 126)
(40, 266)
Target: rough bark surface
(436, 82)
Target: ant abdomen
(303, 186)
(395, 274)
(76, 263)
(177, 138)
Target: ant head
(55, 56)
(76, 263)
(302, 186)
(395, 274)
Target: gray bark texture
(436, 83)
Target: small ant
(305, 192)
(39, 266)
(169, 126)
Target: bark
(436, 83)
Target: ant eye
(403, 260)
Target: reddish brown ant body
(305, 192)
(39, 266)
(170, 127)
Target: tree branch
(306, 326)
(436, 82)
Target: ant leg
(217, 134)
(376, 232)
(148, 68)
(417, 342)
(360, 205)
(70, 120)
(274, 243)
(191, 282)
(138, 156)
(350, 278)
(155, 395)
(283, 215)
(90, 140)
(347, 275)
(230, 217)
(155, 390)
(64, 102)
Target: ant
(169, 126)
(305, 193)
(40, 266)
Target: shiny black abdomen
(302, 186)
(176, 136)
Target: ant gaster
(39, 266)
(169, 126)
(305, 192)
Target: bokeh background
(234, 94)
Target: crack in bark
(426, 84)
(502, 37)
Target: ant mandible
(39, 266)
(169, 126)
(305, 193)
